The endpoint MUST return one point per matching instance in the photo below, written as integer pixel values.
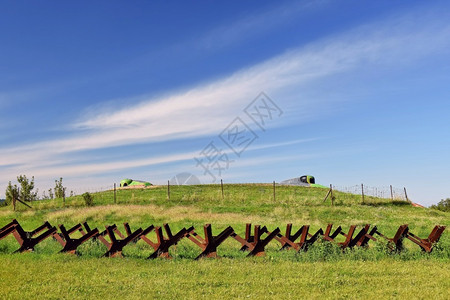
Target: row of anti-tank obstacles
(254, 243)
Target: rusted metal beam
(69, 244)
(396, 243)
(115, 246)
(331, 236)
(163, 244)
(360, 237)
(247, 242)
(60, 237)
(88, 228)
(348, 237)
(27, 239)
(254, 243)
(259, 244)
(363, 242)
(288, 241)
(210, 243)
(144, 237)
(428, 243)
(8, 229)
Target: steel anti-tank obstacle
(255, 243)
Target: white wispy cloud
(206, 109)
(44, 170)
(92, 169)
(255, 25)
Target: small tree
(12, 193)
(50, 193)
(88, 199)
(60, 190)
(443, 205)
(26, 188)
(24, 193)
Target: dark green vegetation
(88, 199)
(323, 272)
(443, 205)
(59, 190)
(23, 192)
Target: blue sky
(99, 91)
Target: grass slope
(322, 272)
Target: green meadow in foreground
(62, 277)
(323, 272)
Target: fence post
(274, 198)
(328, 193)
(221, 185)
(331, 194)
(406, 195)
(168, 190)
(64, 198)
(392, 194)
(362, 192)
(14, 202)
(115, 193)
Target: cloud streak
(101, 168)
(255, 25)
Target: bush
(12, 192)
(26, 188)
(23, 192)
(443, 205)
(60, 190)
(88, 199)
(323, 251)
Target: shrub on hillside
(12, 192)
(88, 199)
(25, 191)
(60, 190)
(26, 188)
(443, 205)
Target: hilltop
(240, 204)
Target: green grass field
(323, 272)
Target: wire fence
(91, 190)
(385, 192)
(239, 193)
(268, 190)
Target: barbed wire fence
(341, 195)
(385, 192)
(108, 194)
(92, 190)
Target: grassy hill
(322, 272)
